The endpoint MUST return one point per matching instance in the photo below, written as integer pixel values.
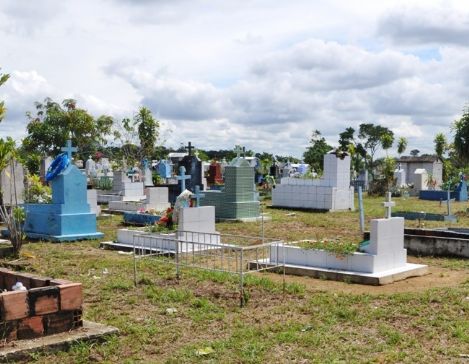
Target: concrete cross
(198, 195)
(388, 205)
(189, 148)
(238, 150)
(69, 149)
(182, 177)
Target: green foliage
(3, 78)
(372, 136)
(440, 145)
(389, 166)
(339, 248)
(401, 145)
(315, 153)
(461, 136)
(51, 126)
(346, 139)
(386, 141)
(36, 191)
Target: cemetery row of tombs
(175, 215)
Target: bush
(36, 191)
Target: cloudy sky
(261, 73)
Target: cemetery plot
(233, 254)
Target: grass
(165, 320)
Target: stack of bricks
(48, 306)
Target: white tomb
(196, 225)
(123, 189)
(383, 260)
(421, 179)
(331, 192)
(92, 198)
(156, 199)
(399, 175)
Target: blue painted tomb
(69, 216)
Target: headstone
(388, 205)
(287, 170)
(461, 190)
(421, 179)
(92, 198)
(274, 170)
(90, 168)
(193, 168)
(12, 184)
(164, 169)
(148, 175)
(106, 166)
(399, 175)
(45, 163)
(68, 217)
(182, 177)
(330, 192)
(239, 199)
(214, 174)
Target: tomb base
(374, 279)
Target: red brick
(71, 296)
(30, 327)
(14, 305)
(58, 282)
(40, 282)
(58, 322)
(43, 300)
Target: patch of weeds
(337, 247)
(119, 284)
(204, 310)
(391, 336)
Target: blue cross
(198, 195)
(182, 177)
(69, 149)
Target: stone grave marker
(12, 183)
(193, 167)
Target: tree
(346, 139)
(386, 141)
(52, 125)
(461, 137)
(440, 145)
(372, 138)
(315, 153)
(138, 136)
(3, 79)
(401, 145)
(414, 152)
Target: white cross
(238, 150)
(388, 205)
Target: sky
(260, 73)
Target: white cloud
(263, 75)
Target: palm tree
(440, 145)
(401, 145)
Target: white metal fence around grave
(233, 254)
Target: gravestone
(45, 163)
(274, 171)
(461, 190)
(239, 199)
(12, 184)
(123, 189)
(156, 199)
(193, 168)
(287, 170)
(331, 192)
(421, 180)
(90, 168)
(68, 217)
(164, 169)
(214, 174)
(399, 175)
(148, 175)
(92, 198)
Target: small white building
(430, 163)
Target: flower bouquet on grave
(166, 222)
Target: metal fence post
(241, 280)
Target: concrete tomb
(239, 199)
(382, 260)
(331, 192)
(123, 189)
(156, 199)
(68, 217)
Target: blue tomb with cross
(68, 217)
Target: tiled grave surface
(331, 192)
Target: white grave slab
(156, 199)
(382, 261)
(200, 220)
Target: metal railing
(233, 254)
